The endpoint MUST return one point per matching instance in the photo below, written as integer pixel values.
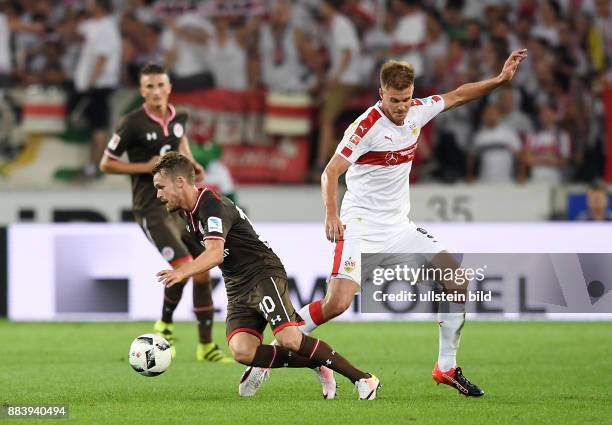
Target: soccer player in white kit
(376, 152)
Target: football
(150, 355)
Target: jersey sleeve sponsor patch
(429, 107)
(117, 144)
(217, 217)
(114, 142)
(432, 99)
(215, 224)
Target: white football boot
(328, 383)
(366, 387)
(251, 380)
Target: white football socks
(309, 324)
(451, 317)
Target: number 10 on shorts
(267, 305)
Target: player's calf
(334, 307)
(455, 284)
(311, 353)
(338, 298)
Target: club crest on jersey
(349, 265)
(151, 136)
(178, 130)
(215, 224)
(355, 139)
(168, 253)
(413, 128)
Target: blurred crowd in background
(547, 125)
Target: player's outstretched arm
(470, 91)
(334, 230)
(117, 166)
(213, 256)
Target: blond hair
(397, 75)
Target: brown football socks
(204, 310)
(312, 353)
(273, 356)
(323, 355)
(172, 296)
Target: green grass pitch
(532, 372)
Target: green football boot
(166, 331)
(211, 352)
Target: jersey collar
(163, 123)
(195, 207)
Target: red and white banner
(254, 150)
(44, 110)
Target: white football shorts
(362, 238)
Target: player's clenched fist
(334, 229)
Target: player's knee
(242, 354)
(242, 351)
(290, 338)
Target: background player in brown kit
(255, 279)
(145, 134)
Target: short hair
(335, 4)
(106, 5)
(455, 4)
(175, 164)
(152, 68)
(411, 2)
(597, 186)
(397, 75)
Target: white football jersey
(381, 155)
